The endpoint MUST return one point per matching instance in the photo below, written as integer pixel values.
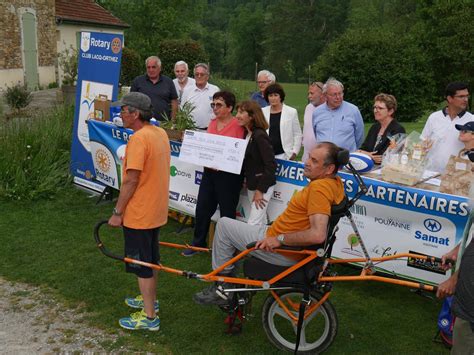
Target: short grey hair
(155, 59)
(202, 65)
(332, 82)
(142, 114)
(268, 74)
(181, 62)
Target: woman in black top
(259, 163)
(378, 138)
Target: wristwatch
(281, 239)
(115, 212)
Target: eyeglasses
(263, 81)
(216, 105)
(199, 75)
(466, 132)
(337, 94)
(151, 66)
(379, 108)
(122, 110)
(315, 83)
(462, 97)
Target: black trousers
(218, 188)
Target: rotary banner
(391, 218)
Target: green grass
(49, 243)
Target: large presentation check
(213, 151)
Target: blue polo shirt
(343, 126)
(161, 93)
(258, 97)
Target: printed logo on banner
(174, 195)
(383, 250)
(174, 171)
(85, 41)
(116, 45)
(428, 265)
(197, 177)
(102, 160)
(189, 200)
(432, 225)
(359, 209)
(175, 148)
(429, 238)
(393, 223)
(353, 242)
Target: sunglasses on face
(216, 105)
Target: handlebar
(100, 245)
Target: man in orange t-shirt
(304, 221)
(142, 206)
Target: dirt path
(32, 322)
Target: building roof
(86, 11)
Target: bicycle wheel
(318, 330)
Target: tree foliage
(369, 62)
(171, 51)
(131, 66)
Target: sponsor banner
(398, 219)
(391, 219)
(98, 75)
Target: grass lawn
(50, 243)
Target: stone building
(33, 32)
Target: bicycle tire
(317, 333)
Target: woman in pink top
(218, 188)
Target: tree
(245, 49)
(371, 62)
(131, 66)
(152, 21)
(297, 31)
(447, 35)
(171, 51)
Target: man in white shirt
(181, 71)
(200, 96)
(315, 98)
(440, 128)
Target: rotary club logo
(102, 160)
(116, 45)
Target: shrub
(131, 67)
(375, 61)
(34, 157)
(18, 96)
(171, 51)
(67, 60)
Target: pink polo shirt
(232, 129)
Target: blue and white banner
(391, 218)
(98, 75)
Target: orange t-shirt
(315, 198)
(149, 152)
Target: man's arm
(359, 129)
(316, 234)
(447, 287)
(127, 190)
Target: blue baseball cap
(469, 126)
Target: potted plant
(183, 121)
(67, 60)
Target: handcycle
(297, 314)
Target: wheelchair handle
(101, 245)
